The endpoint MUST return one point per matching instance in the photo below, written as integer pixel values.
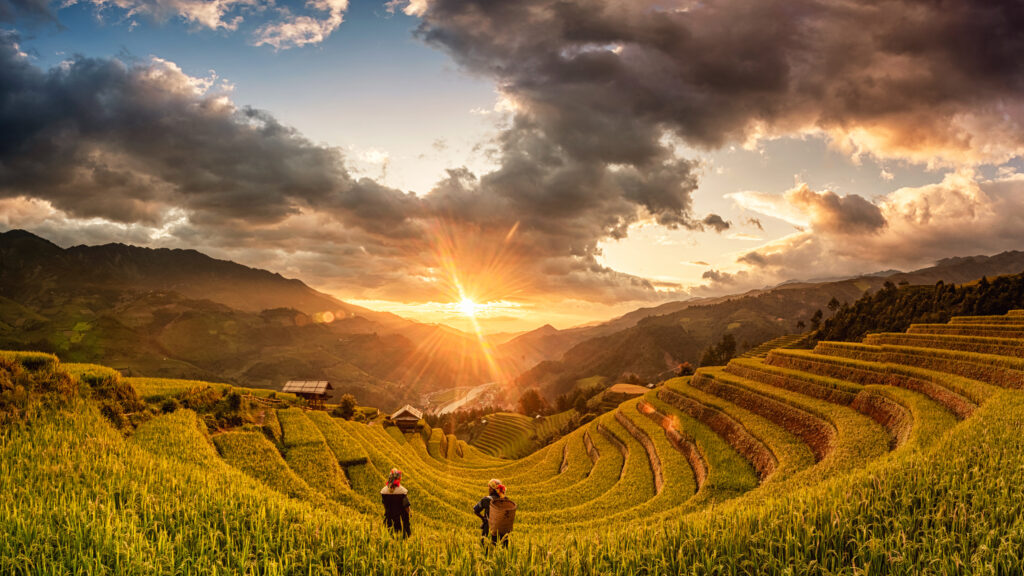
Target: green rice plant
(729, 474)
(78, 496)
(437, 445)
(254, 455)
(180, 435)
(272, 426)
(396, 433)
(506, 434)
(959, 395)
(157, 389)
(857, 439)
(787, 454)
(451, 447)
(1005, 331)
(979, 344)
(31, 360)
(547, 427)
(975, 376)
(345, 448)
(308, 454)
(91, 373)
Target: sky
(512, 163)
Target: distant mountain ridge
(187, 272)
(181, 313)
(651, 341)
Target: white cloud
(294, 31)
(212, 14)
(962, 215)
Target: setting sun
(468, 308)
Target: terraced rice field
(899, 455)
(787, 341)
(507, 435)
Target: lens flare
(468, 308)
(475, 273)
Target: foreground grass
(77, 497)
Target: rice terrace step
(755, 431)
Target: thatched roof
(307, 387)
(409, 411)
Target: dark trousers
(502, 539)
(398, 524)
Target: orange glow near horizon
(475, 272)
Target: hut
(407, 418)
(314, 391)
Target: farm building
(407, 418)
(314, 391)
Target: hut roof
(307, 386)
(408, 410)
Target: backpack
(502, 515)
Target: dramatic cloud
(27, 9)
(213, 14)
(715, 222)
(963, 215)
(279, 26)
(826, 212)
(99, 144)
(929, 81)
(292, 30)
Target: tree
(346, 407)
(800, 325)
(581, 404)
(833, 304)
(816, 319)
(721, 353)
(532, 403)
(684, 369)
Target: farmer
(396, 503)
(483, 507)
(500, 516)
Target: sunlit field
(888, 457)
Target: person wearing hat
(497, 512)
(397, 509)
(483, 507)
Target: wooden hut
(314, 391)
(407, 418)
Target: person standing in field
(501, 516)
(397, 509)
(483, 507)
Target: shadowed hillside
(651, 341)
(179, 313)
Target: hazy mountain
(650, 341)
(180, 313)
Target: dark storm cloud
(715, 222)
(31, 10)
(147, 145)
(604, 78)
(98, 138)
(834, 214)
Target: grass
(308, 455)
(254, 455)
(79, 496)
(156, 389)
(507, 435)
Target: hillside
(804, 462)
(661, 338)
(179, 313)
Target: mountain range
(183, 314)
